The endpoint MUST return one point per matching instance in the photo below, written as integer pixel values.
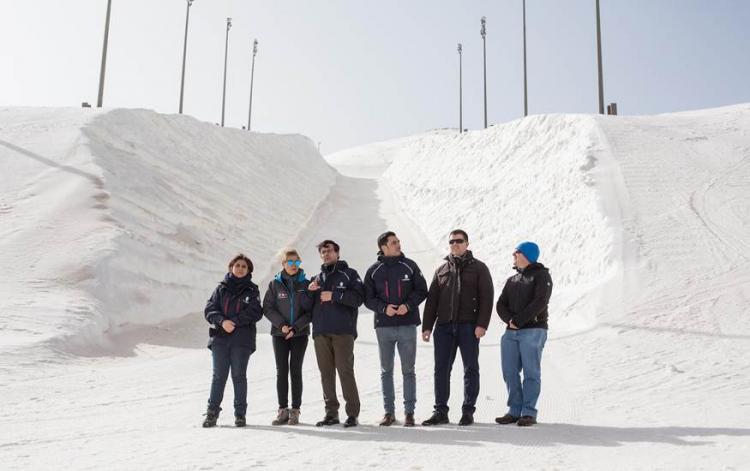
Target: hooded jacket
(338, 316)
(394, 280)
(238, 300)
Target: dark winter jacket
(461, 292)
(394, 280)
(238, 300)
(286, 303)
(338, 316)
(525, 297)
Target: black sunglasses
(456, 241)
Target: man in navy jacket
(337, 293)
(395, 287)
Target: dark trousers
(336, 353)
(448, 339)
(228, 355)
(289, 356)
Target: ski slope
(115, 226)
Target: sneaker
(293, 417)
(437, 418)
(526, 421)
(239, 421)
(466, 419)
(327, 420)
(409, 420)
(351, 422)
(388, 420)
(212, 415)
(506, 419)
(282, 417)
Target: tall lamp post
(252, 76)
(100, 99)
(483, 31)
(184, 53)
(460, 90)
(599, 59)
(224, 89)
(525, 89)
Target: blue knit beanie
(529, 250)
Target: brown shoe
(294, 417)
(506, 419)
(282, 417)
(409, 420)
(388, 420)
(526, 421)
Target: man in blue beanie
(522, 306)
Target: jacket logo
(283, 295)
(406, 277)
(341, 284)
(247, 299)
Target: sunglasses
(294, 263)
(456, 241)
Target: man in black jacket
(395, 288)
(460, 302)
(523, 308)
(337, 293)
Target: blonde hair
(286, 252)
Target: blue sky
(348, 72)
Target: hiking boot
(526, 421)
(282, 417)
(506, 419)
(239, 421)
(466, 419)
(409, 420)
(293, 417)
(388, 420)
(212, 415)
(351, 421)
(327, 420)
(437, 418)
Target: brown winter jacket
(461, 292)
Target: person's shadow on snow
(540, 435)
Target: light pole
(252, 76)
(525, 89)
(100, 99)
(599, 59)
(460, 91)
(224, 89)
(184, 53)
(483, 31)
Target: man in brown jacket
(460, 303)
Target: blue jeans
(229, 354)
(448, 339)
(521, 350)
(405, 338)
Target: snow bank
(128, 216)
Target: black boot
(327, 420)
(351, 422)
(466, 419)
(437, 418)
(239, 421)
(212, 415)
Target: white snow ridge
(115, 226)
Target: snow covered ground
(115, 225)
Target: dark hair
(327, 243)
(462, 232)
(383, 238)
(238, 257)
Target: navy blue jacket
(395, 280)
(339, 316)
(238, 300)
(286, 303)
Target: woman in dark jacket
(288, 307)
(232, 311)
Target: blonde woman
(288, 307)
